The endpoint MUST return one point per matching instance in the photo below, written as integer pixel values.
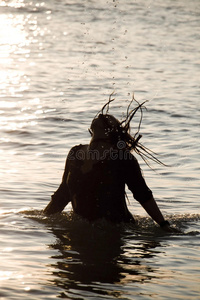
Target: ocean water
(60, 61)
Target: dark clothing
(100, 191)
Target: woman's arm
(62, 196)
(142, 193)
(58, 200)
(154, 212)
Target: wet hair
(119, 132)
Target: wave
(144, 225)
(17, 8)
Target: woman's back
(97, 186)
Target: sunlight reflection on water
(60, 60)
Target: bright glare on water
(60, 61)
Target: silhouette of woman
(95, 174)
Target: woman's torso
(97, 186)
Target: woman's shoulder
(130, 160)
(77, 150)
(79, 147)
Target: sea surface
(60, 60)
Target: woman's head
(107, 124)
(106, 127)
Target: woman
(96, 174)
